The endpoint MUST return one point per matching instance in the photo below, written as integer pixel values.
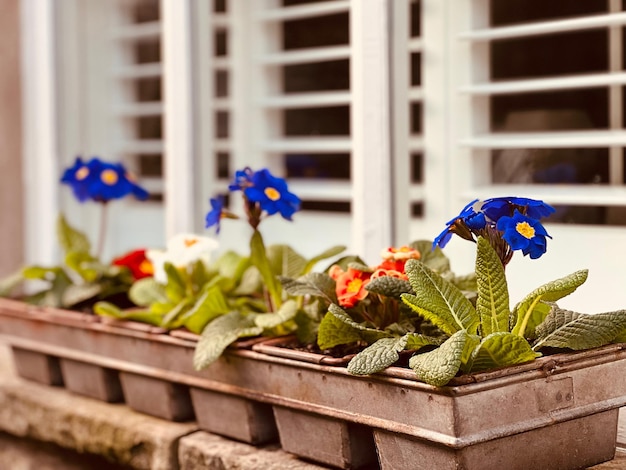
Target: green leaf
(258, 257)
(528, 313)
(39, 272)
(285, 261)
(286, 312)
(147, 291)
(368, 334)
(334, 251)
(501, 349)
(434, 259)
(438, 300)
(566, 329)
(10, 282)
(389, 286)
(85, 265)
(209, 306)
(492, 304)
(175, 287)
(75, 294)
(333, 332)
(174, 318)
(377, 356)
(415, 341)
(439, 366)
(306, 327)
(219, 334)
(315, 284)
(71, 239)
(106, 309)
(232, 265)
(251, 282)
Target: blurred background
(386, 116)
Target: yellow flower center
(146, 267)
(190, 242)
(109, 177)
(82, 173)
(272, 194)
(354, 285)
(525, 230)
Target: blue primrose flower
(242, 179)
(468, 221)
(272, 195)
(101, 181)
(497, 207)
(215, 215)
(524, 233)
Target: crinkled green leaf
(368, 334)
(174, 318)
(40, 272)
(219, 334)
(333, 251)
(71, 239)
(175, 288)
(416, 341)
(528, 313)
(77, 293)
(434, 259)
(84, 264)
(270, 320)
(501, 349)
(389, 286)
(306, 327)
(251, 282)
(439, 366)
(333, 332)
(377, 356)
(466, 358)
(106, 309)
(466, 283)
(210, 305)
(315, 284)
(566, 329)
(285, 261)
(10, 282)
(438, 300)
(231, 265)
(147, 291)
(492, 303)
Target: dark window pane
(417, 209)
(150, 165)
(319, 166)
(416, 118)
(504, 12)
(577, 52)
(219, 6)
(326, 206)
(147, 52)
(591, 215)
(150, 127)
(289, 3)
(416, 19)
(221, 124)
(221, 83)
(221, 43)
(146, 10)
(332, 75)
(416, 69)
(566, 110)
(417, 168)
(317, 121)
(319, 31)
(550, 166)
(222, 160)
(148, 89)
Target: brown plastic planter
(91, 381)
(37, 367)
(561, 410)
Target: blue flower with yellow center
(215, 215)
(101, 181)
(272, 194)
(470, 219)
(497, 207)
(524, 233)
(242, 179)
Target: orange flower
(380, 271)
(350, 287)
(395, 258)
(137, 263)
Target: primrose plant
(83, 278)
(488, 334)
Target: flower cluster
(262, 192)
(137, 263)
(182, 251)
(509, 223)
(101, 181)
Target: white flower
(182, 250)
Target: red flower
(350, 287)
(137, 263)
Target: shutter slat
(580, 195)
(415, 45)
(139, 71)
(139, 109)
(545, 84)
(142, 146)
(309, 144)
(304, 11)
(221, 21)
(416, 143)
(222, 145)
(138, 32)
(308, 100)
(416, 94)
(588, 139)
(321, 190)
(545, 27)
(222, 63)
(306, 55)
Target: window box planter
(558, 412)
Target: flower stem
(103, 230)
